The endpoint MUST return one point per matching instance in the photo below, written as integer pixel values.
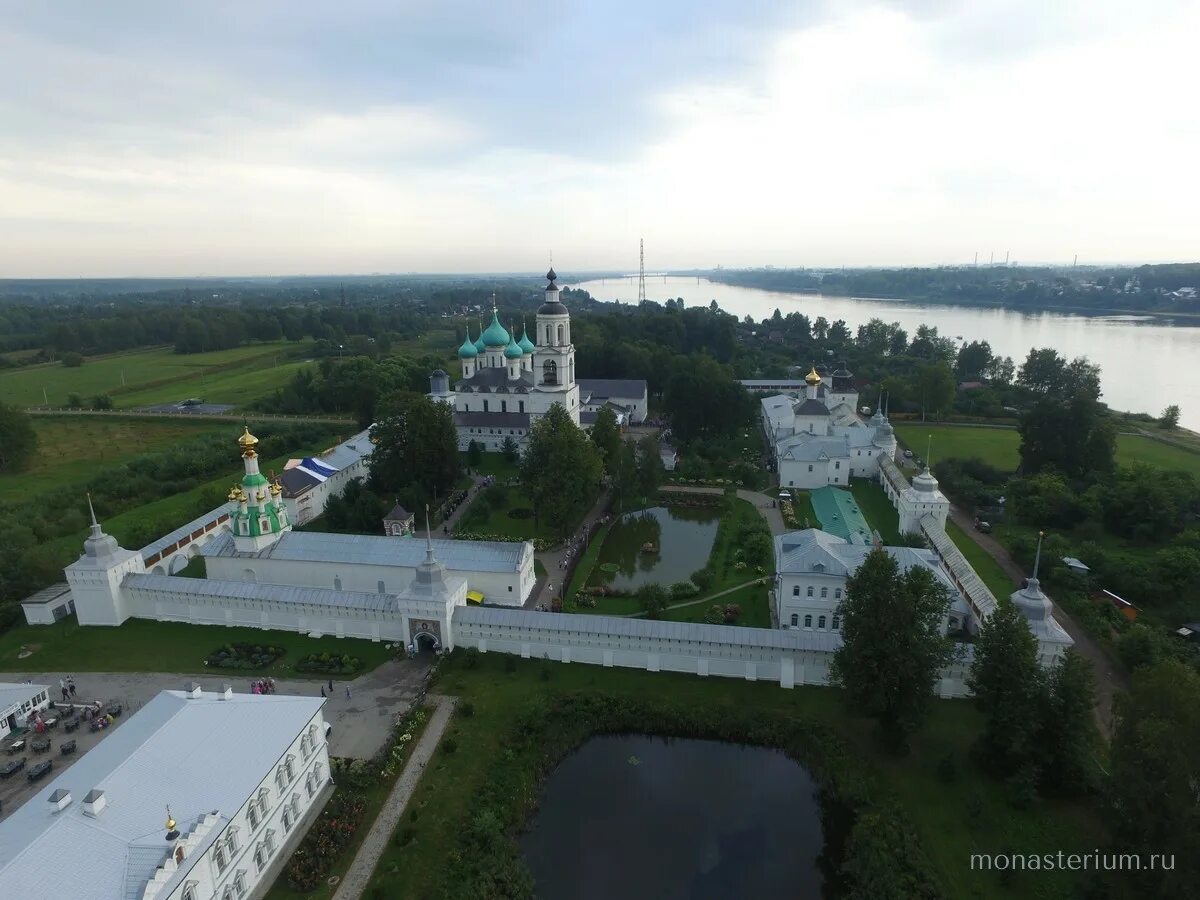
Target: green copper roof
(468, 350)
(513, 350)
(480, 346)
(525, 343)
(495, 335)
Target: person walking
(347, 692)
(331, 685)
(322, 691)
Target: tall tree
(704, 400)
(1042, 370)
(1170, 416)
(606, 435)
(18, 440)
(1074, 437)
(893, 649)
(416, 450)
(1155, 774)
(560, 471)
(933, 385)
(1008, 686)
(1068, 736)
(649, 466)
(973, 360)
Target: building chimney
(226, 692)
(93, 802)
(60, 800)
(192, 689)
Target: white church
(262, 574)
(819, 438)
(508, 384)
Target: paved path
(1109, 676)
(696, 600)
(361, 722)
(447, 529)
(355, 881)
(555, 560)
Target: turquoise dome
(480, 346)
(525, 343)
(513, 350)
(495, 335)
(468, 349)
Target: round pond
(633, 816)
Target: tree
(625, 478)
(72, 360)
(1155, 771)
(974, 359)
(1000, 371)
(1042, 370)
(474, 454)
(1072, 437)
(1007, 683)
(927, 344)
(509, 450)
(18, 440)
(934, 386)
(893, 648)
(1170, 417)
(703, 400)
(649, 466)
(606, 435)
(653, 599)
(416, 450)
(102, 401)
(1068, 736)
(560, 471)
(820, 328)
(74, 401)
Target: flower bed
(328, 664)
(243, 656)
(325, 841)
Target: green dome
(480, 346)
(468, 349)
(513, 350)
(525, 343)
(495, 335)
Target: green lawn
(71, 448)
(802, 505)
(141, 645)
(239, 387)
(981, 561)
(489, 516)
(494, 464)
(877, 509)
(149, 376)
(998, 447)
(756, 609)
(968, 814)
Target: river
(1146, 365)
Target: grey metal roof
(622, 388)
(47, 594)
(620, 626)
(349, 451)
(812, 407)
(296, 481)
(183, 531)
(248, 590)
(225, 747)
(11, 693)
(798, 552)
(491, 419)
(379, 550)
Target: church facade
(508, 384)
(819, 438)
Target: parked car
(190, 401)
(40, 771)
(985, 527)
(908, 453)
(12, 767)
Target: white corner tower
(95, 578)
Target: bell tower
(258, 516)
(554, 359)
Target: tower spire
(428, 536)
(92, 513)
(1037, 558)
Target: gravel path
(367, 858)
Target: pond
(682, 540)
(634, 816)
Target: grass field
(158, 376)
(144, 646)
(70, 449)
(998, 447)
(981, 561)
(877, 509)
(756, 610)
(967, 814)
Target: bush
(466, 709)
(325, 841)
(449, 745)
(329, 665)
(72, 360)
(243, 655)
(704, 578)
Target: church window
(550, 372)
(227, 894)
(810, 590)
(260, 857)
(231, 840)
(287, 819)
(560, 334)
(795, 620)
(239, 883)
(810, 468)
(189, 891)
(337, 583)
(219, 859)
(503, 406)
(808, 621)
(549, 334)
(824, 592)
(796, 591)
(485, 406)
(837, 465)
(520, 406)
(821, 622)
(252, 815)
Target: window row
(837, 592)
(808, 622)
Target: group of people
(330, 686)
(263, 686)
(67, 686)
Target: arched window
(260, 857)
(821, 622)
(795, 620)
(337, 583)
(837, 594)
(837, 622)
(380, 584)
(810, 590)
(549, 334)
(808, 621)
(550, 372)
(796, 591)
(560, 334)
(824, 592)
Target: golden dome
(812, 377)
(276, 489)
(233, 492)
(247, 441)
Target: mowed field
(145, 377)
(998, 447)
(72, 448)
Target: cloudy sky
(152, 138)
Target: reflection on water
(637, 817)
(1146, 363)
(660, 544)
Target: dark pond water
(635, 817)
(683, 539)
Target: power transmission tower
(641, 270)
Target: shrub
(325, 841)
(242, 655)
(947, 768)
(329, 665)
(449, 745)
(466, 709)
(72, 360)
(704, 578)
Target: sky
(232, 138)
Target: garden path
(447, 529)
(696, 600)
(558, 561)
(359, 874)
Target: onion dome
(468, 349)
(247, 442)
(553, 306)
(495, 336)
(925, 483)
(513, 350)
(550, 276)
(812, 377)
(525, 343)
